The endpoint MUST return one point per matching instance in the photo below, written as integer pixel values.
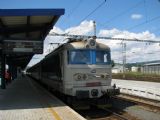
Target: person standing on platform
(7, 77)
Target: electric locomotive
(77, 69)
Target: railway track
(152, 104)
(103, 113)
(114, 114)
(118, 114)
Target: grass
(137, 76)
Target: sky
(138, 19)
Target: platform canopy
(28, 25)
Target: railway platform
(24, 99)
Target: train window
(102, 57)
(79, 57)
(89, 57)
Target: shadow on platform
(24, 93)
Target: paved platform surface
(24, 99)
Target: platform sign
(23, 46)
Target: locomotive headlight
(102, 76)
(85, 76)
(107, 76)
(79, 76)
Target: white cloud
(56, 30)
(85, 28)
(136, 51)
(136, 16)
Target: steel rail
(140, 101)
(110, 111)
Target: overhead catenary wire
(110, 38)
(72, 10)
(146, 21)
(93, 11)
(121, 14)
(75, 8)
(142, 23)
(156, 30)
(145, 10)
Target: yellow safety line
(54, 113)
(56, 116)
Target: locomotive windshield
(80, 57)
(89, 57)
(102, 57)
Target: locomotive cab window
(89, 57)
(102, 57)
(79, 57)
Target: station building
(151, 68)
